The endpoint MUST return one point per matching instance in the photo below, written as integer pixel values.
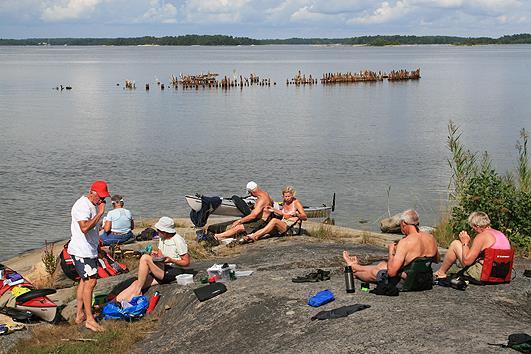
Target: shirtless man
(254, 221)
(415, 244)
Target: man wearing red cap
(83, 247)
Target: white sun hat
(166, 224)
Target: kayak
(18, 293)
(227, 207)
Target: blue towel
(321, 298)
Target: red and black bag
(497, 265)
(107, 266)
(67, 264)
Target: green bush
(478, 187)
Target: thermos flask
(153, 302)
(349, 280)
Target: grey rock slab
(267, 313)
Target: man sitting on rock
(413, 246)
(163, 266)
(258, 217)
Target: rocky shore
(266, 312)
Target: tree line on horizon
(220, 40)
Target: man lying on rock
(414, 246)
(163, 266)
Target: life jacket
(107, 266)
(497, 265)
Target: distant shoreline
(223, 40)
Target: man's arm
(397, 256)
(87, 225)
(183, 262)
(255, 213)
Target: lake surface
(154, 147)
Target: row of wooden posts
(209, 80)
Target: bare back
(263, 199)
(419, 244)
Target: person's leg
(88, 288)
(230, 232)
(133, 289)
(274, 224)
(146, 268)
(363, 273)
(454, 253)
(80, 313)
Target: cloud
(160, 12)
(297, 18)
(384, 13)
(214, 11)
(69, 10)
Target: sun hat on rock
(166, 224)
(100, 187)
(251, 186)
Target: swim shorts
(474, 271)
(169, 274)
(85, 267)
(253, 226)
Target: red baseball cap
(100, 187)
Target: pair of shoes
(319, 275)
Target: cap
(251, 186)
(100, 187)
(166, 224)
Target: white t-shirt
(83, 245)
(174, 247)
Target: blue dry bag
(139, 305)
(321, 298)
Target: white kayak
(227, 207)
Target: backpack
(147, 234)
(107, 266)
(67, 264)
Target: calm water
(154, 147)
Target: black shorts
(169, 274)
(254, 226)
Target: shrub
(478, 187)
(48, 258)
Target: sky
(262, 18)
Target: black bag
(211, 290)
(147, 234)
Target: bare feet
(350, 260)
(94, 326)
(80, 318)
(439, 275)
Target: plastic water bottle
(153, 302)
(349, 280)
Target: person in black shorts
(163, 266)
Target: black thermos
(349, 280)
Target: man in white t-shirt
(163, 266)
(83, 247)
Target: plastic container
(185, 279)
(243, 273)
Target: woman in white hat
(163, 266)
